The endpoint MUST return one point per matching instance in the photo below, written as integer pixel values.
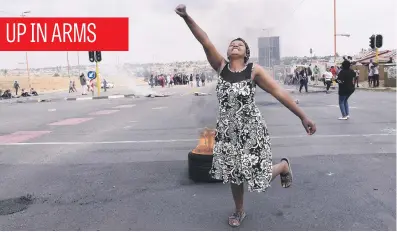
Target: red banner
(64, 34)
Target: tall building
(269, 51)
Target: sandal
(286, 179)
(236, 219)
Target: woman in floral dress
(242, 144)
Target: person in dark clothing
(345, 80)
(191, 80)
(303, 80)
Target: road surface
(121, 164)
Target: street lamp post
(23, 14)
(335, 31)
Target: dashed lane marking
(104, 112)
(123, 106)
(159, 108)
(70, 121)
(351, 107)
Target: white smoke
(125, 80)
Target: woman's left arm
(267, 83)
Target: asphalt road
(121, 164)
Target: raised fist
(181, 10)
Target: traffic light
(378, 41)
(91, 56)
(372, 41)
(98, 56)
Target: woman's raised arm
(213, 56)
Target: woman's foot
(286, 177)
(343, 118)
(236, 219)
(347, 116)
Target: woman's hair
(247, 49)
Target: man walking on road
(202, 79)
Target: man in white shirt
(328, 78)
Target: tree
(5, 72)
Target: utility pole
(335, 32)
(23, 14)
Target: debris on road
(201, 94)
(153, 95)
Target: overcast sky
(158, 34)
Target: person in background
(83, 83)
(370, 72)
(16, 87)
(202, 79)
(24, 93)
(105, 84)
(191, 80)
(356, 79)
(168, 80)
(33, 92)
(309, 73)
(316, 72)
(375, 77)
(303, 80)
(327, 79)
(198, 80)
(71, 86)
(74, 86)
(92, 86)
(346, 88)
(151, 81)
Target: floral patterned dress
(242, 144)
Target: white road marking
(133, 121)
(115, 96)
(186, 140)
(52, 110)
(83, 98)
(123, 106)
(159, 108)
(351, 107)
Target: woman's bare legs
(238, 190)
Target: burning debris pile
(206, 142)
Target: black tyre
(199, 168)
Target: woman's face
(236, 49)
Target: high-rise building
(269, 51)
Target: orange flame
(206, 142)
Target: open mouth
(206, 142)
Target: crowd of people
(7, 94)
(179, 79)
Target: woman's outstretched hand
(181, 10)
(309, 126)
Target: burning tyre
(200, 158)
